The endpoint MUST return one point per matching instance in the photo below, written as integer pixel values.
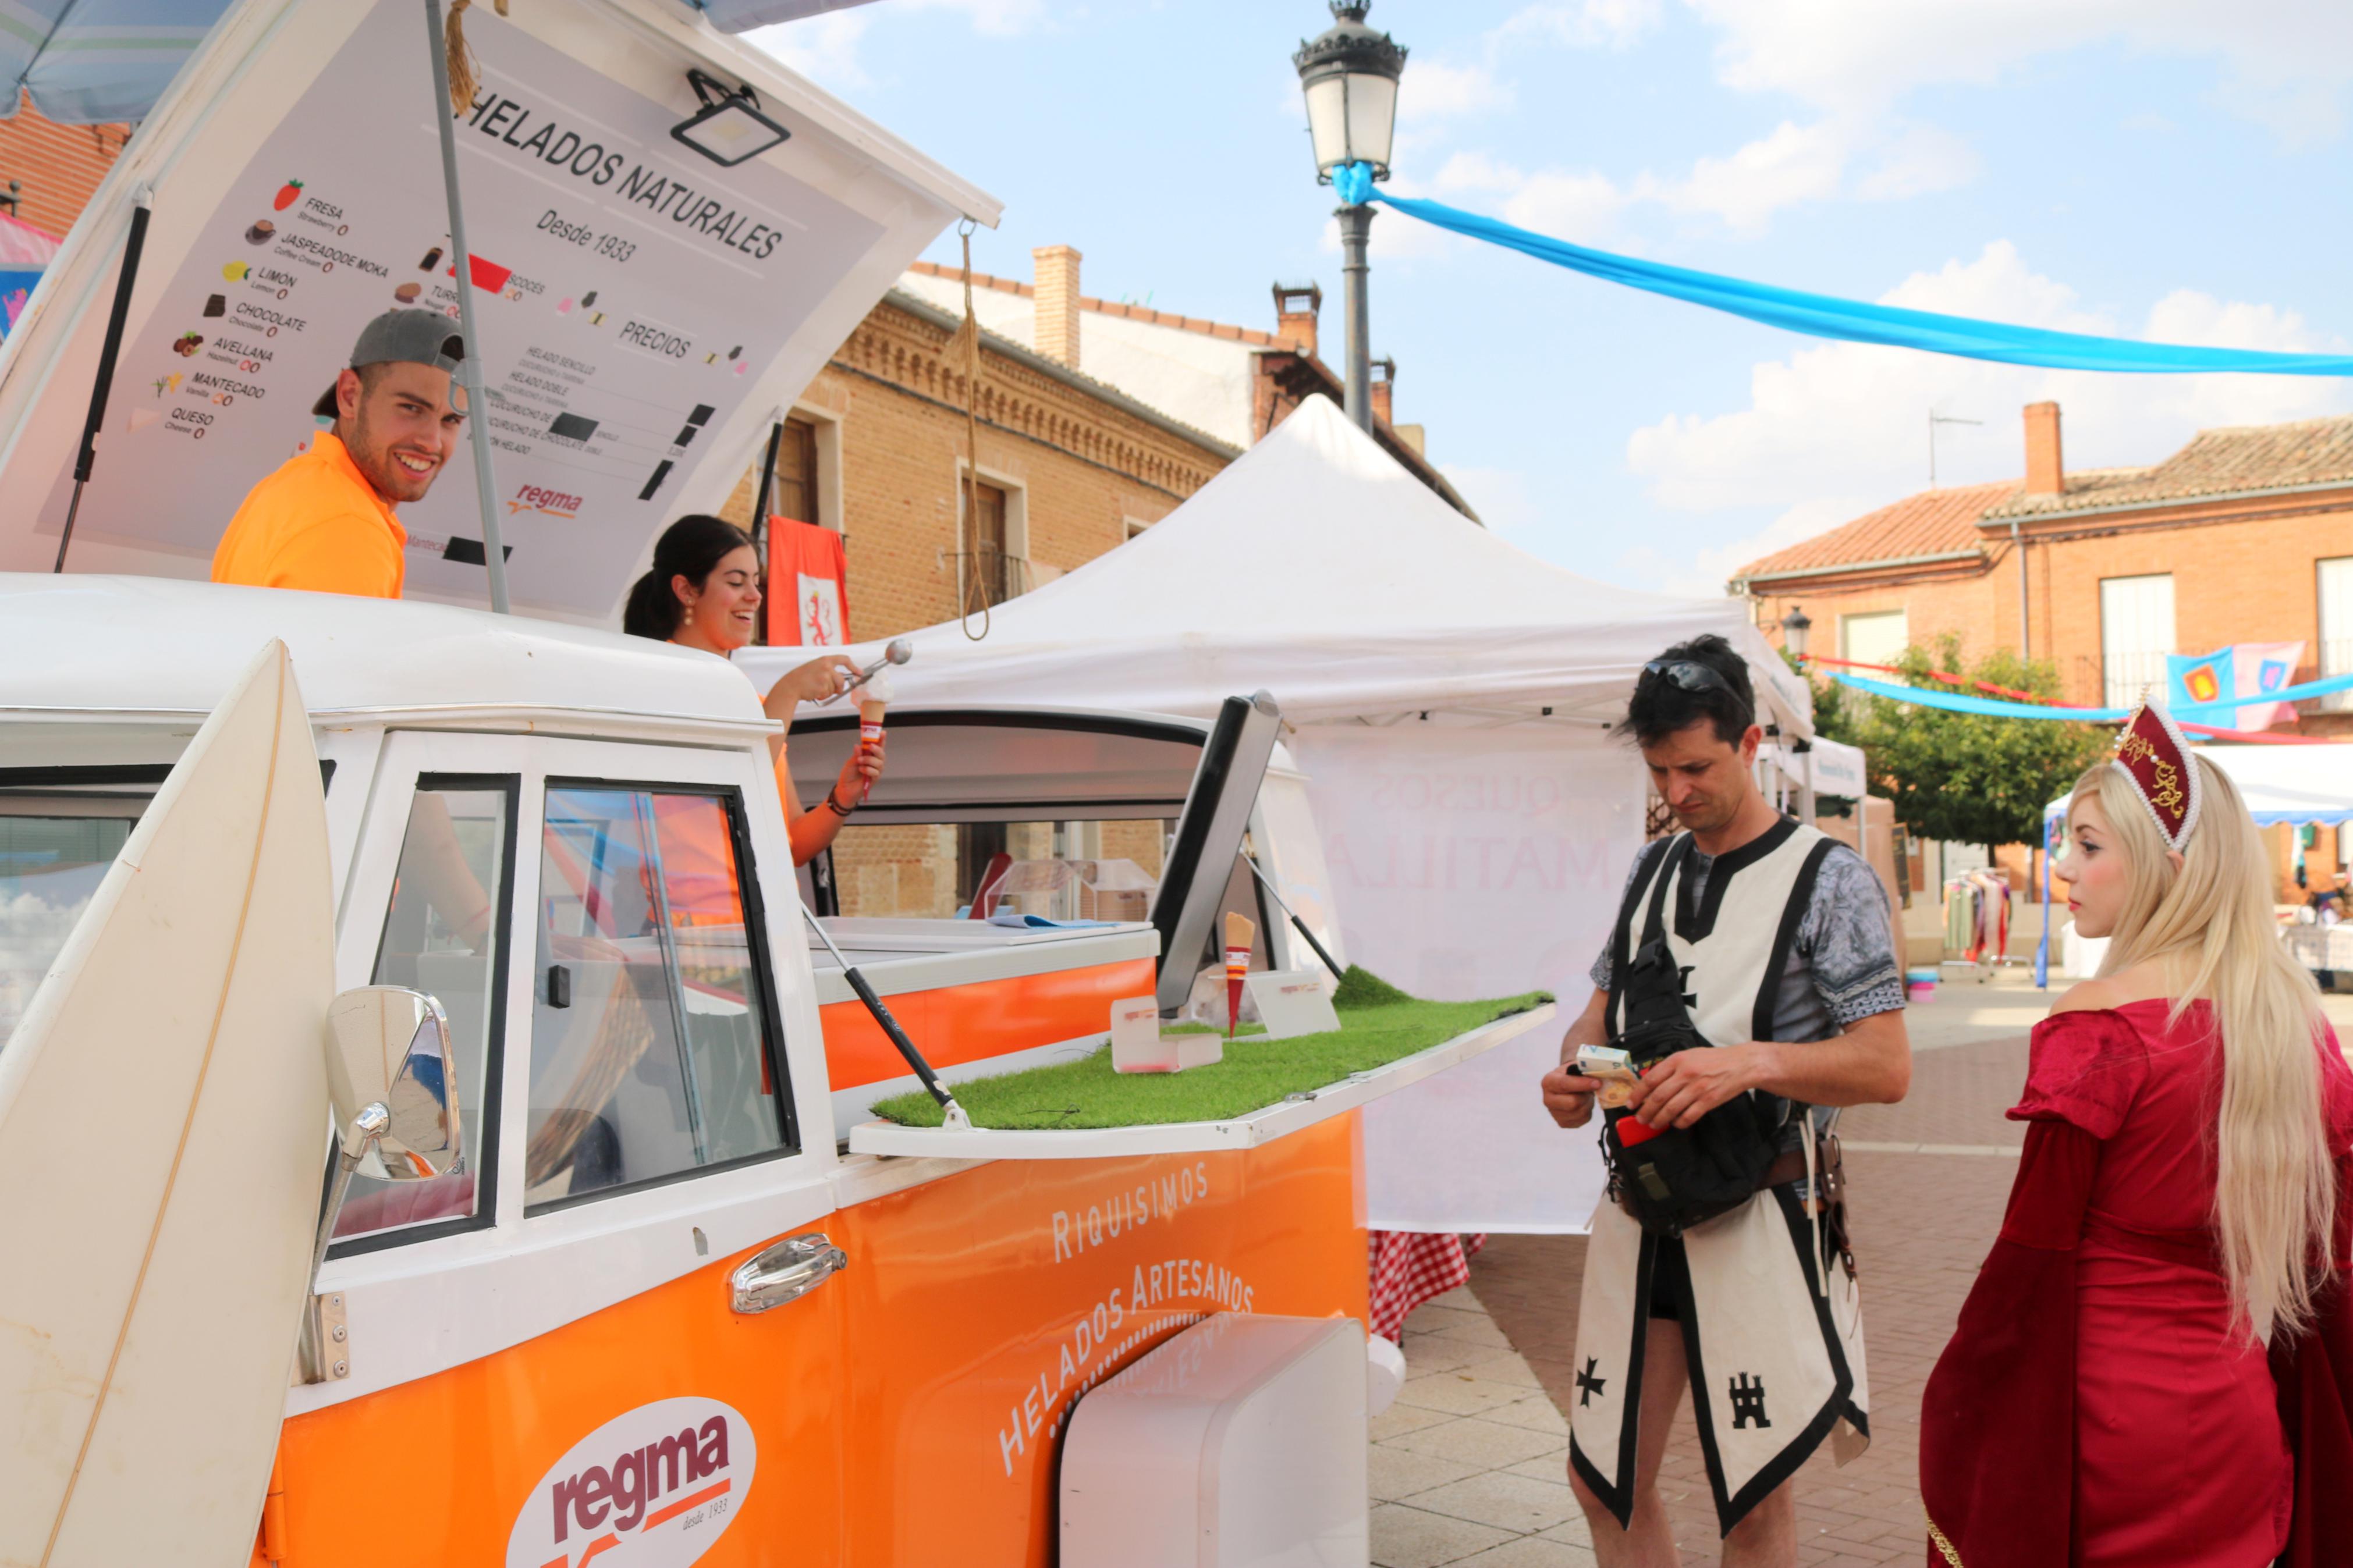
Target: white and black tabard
(1773, 1330)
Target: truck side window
(444, 934)
(651, 1050)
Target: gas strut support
(939, 1091)
(1268, 883)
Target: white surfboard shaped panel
(162, 1138)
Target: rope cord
(968, 560)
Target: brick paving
(1922, 1222)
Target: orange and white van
(672, 1309)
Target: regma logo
(655, 1488)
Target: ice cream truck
(666, 1305)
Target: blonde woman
(2154, 1363)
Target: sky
(2174, 170)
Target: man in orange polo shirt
(324, 520)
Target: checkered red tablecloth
(1410, 1267)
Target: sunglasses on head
(1692, 676)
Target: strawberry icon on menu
(286, 194)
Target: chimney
(1056, 268)
(1382, 381)
(2045, 473)
(1295, 308)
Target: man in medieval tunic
(1785, 947)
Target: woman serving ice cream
(703, 592)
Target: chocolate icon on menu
(216, 305)
(261, 232)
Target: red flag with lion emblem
(808, 585)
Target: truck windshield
(56, 844)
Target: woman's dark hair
(1703, 679)
(688, 548)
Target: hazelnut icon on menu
(261, 232)
(189, 343)
(408, 293)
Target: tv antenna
(1936, 419)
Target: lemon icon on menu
(234, 271)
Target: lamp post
(1794, 628)
(1350, 76)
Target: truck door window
(55, 848)
(652, 1049)
(444, 934)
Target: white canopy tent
(1451, 695)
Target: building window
(1879, 637)
(2337, 628)
(997, 540)
(796, 493)
(2136, 633)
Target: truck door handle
(784, 1272)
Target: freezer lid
(1208, 835)
(645, 314)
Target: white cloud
(1834, 429)
(2289, 61)
(1573, 206)
(1795, 163)
(824, 48)
(1919, 159)
(1590, 24)
(1435, 90)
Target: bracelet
(836, 806)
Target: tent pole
(760, 515)
(143, 205)
(470, 369)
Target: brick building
(2243, 535)
(52, 170)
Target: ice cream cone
(873, 701)
(1240, 930)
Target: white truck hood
(645, 312)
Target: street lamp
(1794, 628)
(1350, 76)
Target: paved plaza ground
(1469, 1466)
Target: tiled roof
(2227, 461)
(1112, 307)
(1934, 522)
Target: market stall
(1451, 697)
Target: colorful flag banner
(2261, 668)
(2196, 680)
(808, 585)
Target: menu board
(629, 294)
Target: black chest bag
(1680, 1176)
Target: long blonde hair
(2275, 1199)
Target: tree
(1967, 777)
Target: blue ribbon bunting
(2217, 714)
(1823, 316)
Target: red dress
(2094, 1409)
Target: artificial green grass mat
(1360, 987)
(1255, 1074)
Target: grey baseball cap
(402, 337)
(410, 337)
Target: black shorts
(1670, 1279)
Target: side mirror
(389, 1046)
